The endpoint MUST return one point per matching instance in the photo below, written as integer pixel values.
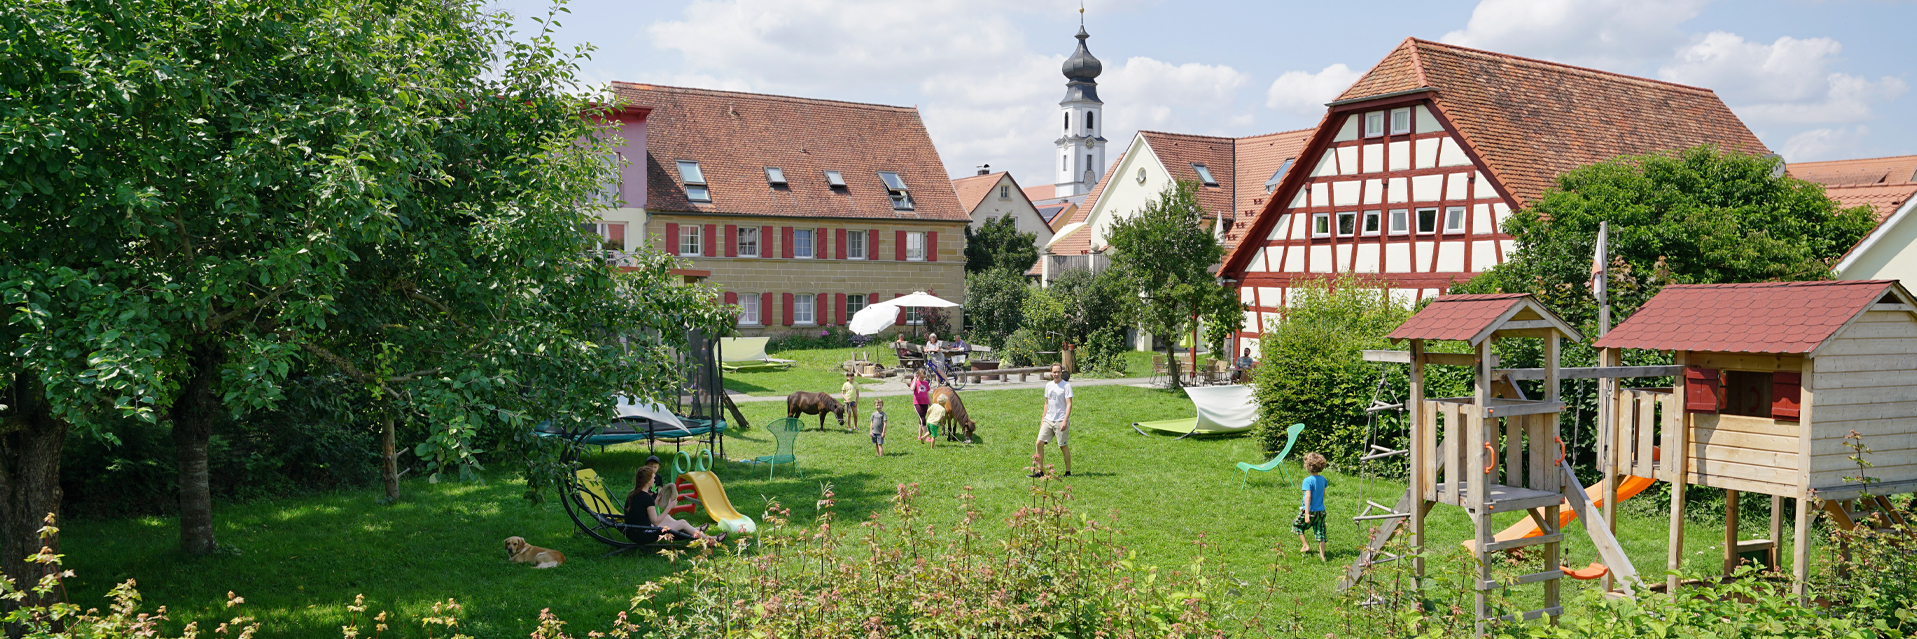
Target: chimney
(984, 172)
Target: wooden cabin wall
(1866, 381)
(1749, 454)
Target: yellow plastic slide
(1630, 487)
(706, 487)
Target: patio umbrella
(877, 317)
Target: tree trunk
(389, 455)
(1171, 363)
(193, 414)
(30, 442)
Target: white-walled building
(989, 196)
(1889, 187)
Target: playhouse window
(1747, 393)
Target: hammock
(748, 354)
(1221, 410)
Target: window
(612, 236)
(1374, 124)
(1068, 122)
(915, 247)
(1371, 223)
(1347, 223)
(1064, 163)
(1278, 176)
(901, 200)
(749, 309)
(1088, 120)
(835, 179)
(1141, 175)
(1747, 393)
(1400, 222)
(775, 176)
(1454, 219)
(802, 305)
(689, 244)
(1004, 192)
(802, 243)
(695, 181)
(1204, 174)
(1400, 121)
(1321, 225)
(912, 316)
(854, 304)
(855, 245)
(748, 241)
(1427, 220)
(609, 192)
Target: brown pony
(954, 412)
(804, 403)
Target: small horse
(954, 412)
(805, 403)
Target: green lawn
(818, 370)
(300, 561)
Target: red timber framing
(1296, 247)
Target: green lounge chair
(1291, 438)
(785, 431)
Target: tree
(994, 305)
(998, 245)
(1166, 255)
(201, 195)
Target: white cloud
(1786, 82)
(1305, 94)
(1184, 98)
(1827, 144)
(1612, 34)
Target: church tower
(1081, 150)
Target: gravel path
(894, 387)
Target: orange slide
(1527, 527)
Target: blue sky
(1816, 80)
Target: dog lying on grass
(519, 551)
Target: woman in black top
(642, 507)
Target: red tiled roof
(1885, 199)
(972, 190)
(1457, 317)
(1762, 317)
(1862, 172)
(1531, 120)
(734, 136)
(1079, 242)
(1040, 192)
(1258, 157)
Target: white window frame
(1375, 124)
(1004, 191)
(1436, 218)
(749, 311)
(691, 240)
(775, 176)
(1395, 114)
(835, 179)
(854, 303)
(1371, 224)
(694, 181)
(855, 245)
(804, 246)
(741, 241)
(804, 308)
(912, 317)
(915, 246)
(1399, 222)
(1343, 217)
(1204, 174)
(1454, 217)
(1321, 225)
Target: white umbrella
(872, 319)
(920, 299)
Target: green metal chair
(1291, 439)
(785, 431)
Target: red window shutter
(819, 246)
(838, 241)
(732, 298)
(671, 239)
(732, 241)
(785, 241)
(931, 246)
(765, 242)
(819, 309)
(712, 240)
(1787, 389)
(765, 309)
(838, 302)
(786, 318)
(872, 248)
(900, 239)
(1701, 387)
(901, 319)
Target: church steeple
(1081, 150)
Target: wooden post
(1800, 549)
(1552, 560)
(1730, 532)
(1609, 447)
(1676, 452)
(1481, 477)
(1424, 467)
(1777, 534)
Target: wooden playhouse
(1775, 377)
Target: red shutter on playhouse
(712, 240)
(931, 246)
(732, 241)
(1786, 394)
(786, 318)
(1701, 390)
(838, 241)
(765, 242)
(900, 238)
(765, 309)
(672, 239)
(838, 302)
(872, 244)
(785, 240)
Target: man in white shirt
(1056, 421)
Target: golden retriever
(519, 551)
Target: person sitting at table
(901, 348)
(935, 354)
(1244, 365)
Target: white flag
(1599, 263)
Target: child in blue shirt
(1311, 513)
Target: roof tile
(1762, 317)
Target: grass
(300, 561)
(816, 370)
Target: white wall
(1024, 215)
(1888, 253)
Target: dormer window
(1278, 176)
(835, 179)
(1204, 174)
(1400, 121)
(694, 181)
(1374, 124)
(775, 176)
(895, 187)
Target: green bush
(1103, 353)
(1312, 371)
(825, 337)
(1023, 348)
(994, 305)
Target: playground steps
(1876, 509)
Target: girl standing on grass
(921, 400)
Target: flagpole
(1607, 387)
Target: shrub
(1312, 370)
(824, 337)
(1022, 348)
(1103, 353)
(994, 305)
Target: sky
(1814, 79)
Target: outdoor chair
(597, 515)
(785, 431)
(1276, 463)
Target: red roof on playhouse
(1762, 317)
